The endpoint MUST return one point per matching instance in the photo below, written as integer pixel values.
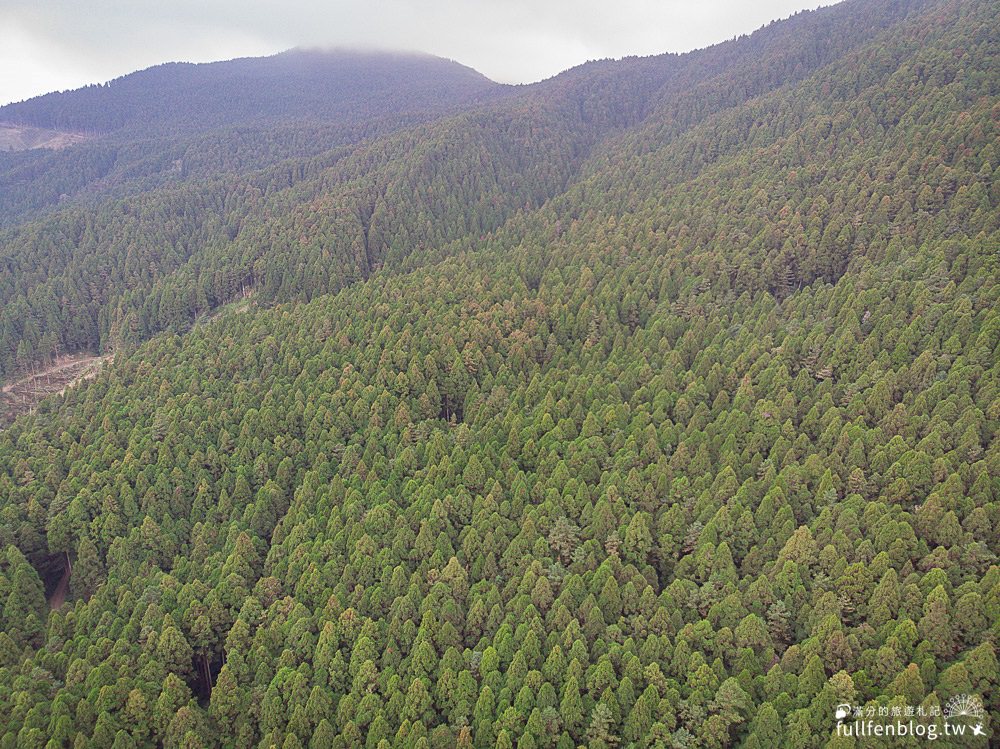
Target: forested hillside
(654, 405)
(183, 122)
(89, 279)
(337, 85)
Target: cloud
(56, 44)
(30, 65)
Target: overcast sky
(48, 45)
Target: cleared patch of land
(25, 137)
(21, 396)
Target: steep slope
(688, 454)
(181, 122)
(89, 280)
(835, 168)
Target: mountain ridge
(260, 85)
(573, 113)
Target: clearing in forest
(21, 396)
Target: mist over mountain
(336, 85)
(353, 399)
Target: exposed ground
(58, 597)
(24, 138)
(21, 396)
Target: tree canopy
(655, 406)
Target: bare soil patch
(22, 396)
(25, 138)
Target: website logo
(966, 709)
(963, 716)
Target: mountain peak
(321, 85)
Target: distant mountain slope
(300, 84)
(309, 227)
(836, 164)
(183, 122)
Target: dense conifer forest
(652, 405)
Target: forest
(652, 405)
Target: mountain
(339, 85)
(127, 269)
(655, 404)
(182, 122)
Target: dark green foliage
(682, 439)
(185, 123)
(108, 276)
(342, 85)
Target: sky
(52, 45)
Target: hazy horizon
(57, 46)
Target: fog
(48, 45)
